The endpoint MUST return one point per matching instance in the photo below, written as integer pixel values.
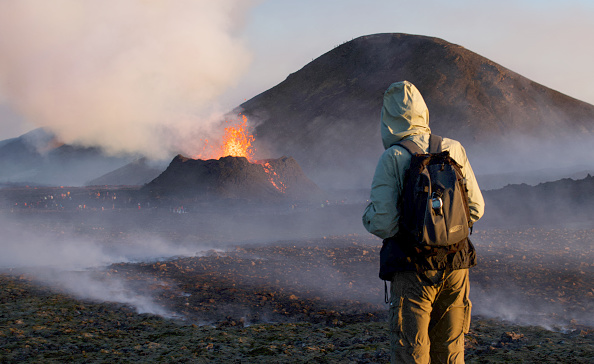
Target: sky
(135, 74)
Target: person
(429, 305)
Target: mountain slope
(137, 172)
(38, 158)
(326, 114)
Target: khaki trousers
(429, 316)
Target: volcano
(327, 114)
(236, 178)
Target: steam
(90, 286)
(510, 305)
(22, 249)
(73, 264)
(129, 76)
(548, 287)
(531, 160)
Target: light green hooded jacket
(405, 116)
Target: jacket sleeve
(476, 203)
(381, 215)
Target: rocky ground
(302, 300)
(40, 326)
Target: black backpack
(434, 200)
(433, 206)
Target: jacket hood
(404, 113)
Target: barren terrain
(302, 299)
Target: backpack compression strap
(413, 148)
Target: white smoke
(22, 249)
(74, 264)
(91, 286)
(129, 76)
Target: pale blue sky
(549, 42)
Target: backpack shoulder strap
(413, 148)
(410, 146)
(435, 143)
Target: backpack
(434, 214)
(434, 201)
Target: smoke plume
(129, 76)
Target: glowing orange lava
(274, 178)
(237, 141)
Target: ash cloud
(135, 76)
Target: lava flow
(274, 177)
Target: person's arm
(476, 203)
(381, 215)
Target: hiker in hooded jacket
(429, 308)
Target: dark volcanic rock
(560, 203)
(326, 115)
(234, 178)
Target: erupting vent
(238, 142)
(235, 178)
(232, 172)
